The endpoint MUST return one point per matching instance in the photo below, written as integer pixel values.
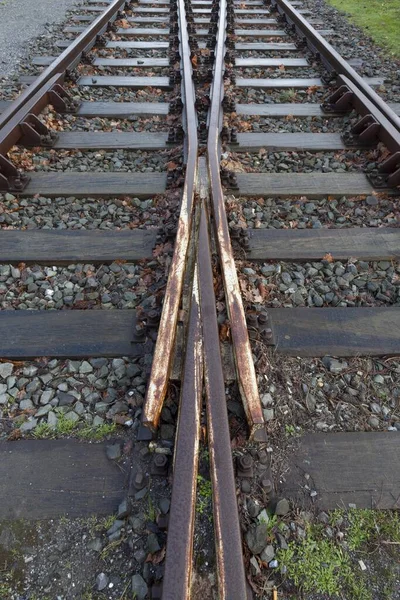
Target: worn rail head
(163, 354)
(241, 345)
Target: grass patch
(372, 528)
(67, 427)
(151, 512)
(379, 18)
(96, 433)
(318, 563)
(287, 95)
(204, 496)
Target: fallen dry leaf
(157, 557)
(225, 331)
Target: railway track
(206, 60)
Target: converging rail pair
(202, 222)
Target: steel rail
(163, 353)
(228, 544)
(388, 134)
(178, 562)
(83, 42)
(334, 59)
(12, 132)
(241, 345)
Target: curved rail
(163, 354)
(339, 64)
(241, 345)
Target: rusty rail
(178, 564)
(163, 354)
(241, 345)
(330, 56)
(379, 122)
(230, 567)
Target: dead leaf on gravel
(264, 293)
(157, 557)
(123, 23)
(232, 165)
(328, 257)
(121, 419)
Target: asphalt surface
(23, 20)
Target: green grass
(96, 433)
(204, 496)
(151, 512)
(372, 528)
(380, 19)
(66, 427)
(320, 564)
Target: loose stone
(256, 538)
(95, 545)
(123, 510)
(113, 451)
(6, 369)
(101, 581)
(267, 554)
(282, 508)
(373, 422)
(139, 587)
